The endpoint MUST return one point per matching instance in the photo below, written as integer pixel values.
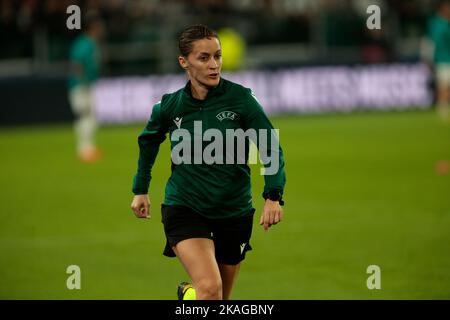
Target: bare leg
(85, 124)
(229, 274)
(198, 258)
(443, 102)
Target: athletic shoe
(183, 288)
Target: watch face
(274, 196)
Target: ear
(183, 62)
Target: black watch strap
(274, 195)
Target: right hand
(141, 206)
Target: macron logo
(178, 122)
(243, 247)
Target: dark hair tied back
(192, 34)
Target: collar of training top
(215, 91)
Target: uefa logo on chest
(226, 115)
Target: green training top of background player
(439, 31)
(84, 54)
(213, 190)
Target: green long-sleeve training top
(213, 179)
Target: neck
(198, 90)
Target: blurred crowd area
(142, 34)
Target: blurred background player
(84, 66)
(439, 33)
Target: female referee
(207, 211)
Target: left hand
(272, 214)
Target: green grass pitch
(362, 189)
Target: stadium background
(368, 181)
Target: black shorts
(231, 236)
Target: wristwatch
(274, 195)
